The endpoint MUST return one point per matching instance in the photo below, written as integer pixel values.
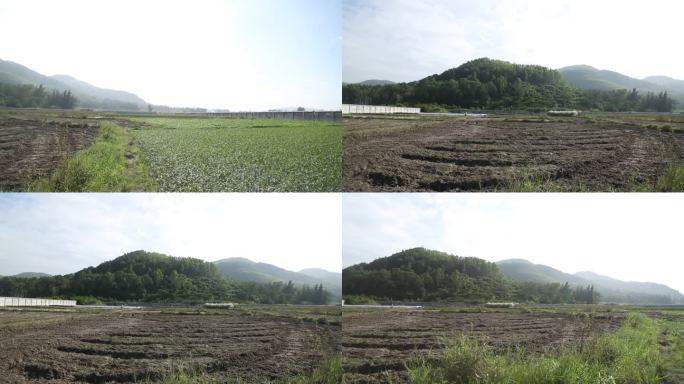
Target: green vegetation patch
(219, 154)
(629, 355)
(328, 372)
(672, 180)
(672, 345)
(111, 164)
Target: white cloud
(625, 236)
(62, 233)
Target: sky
(634, 237)
(406, 40)
(63, 233)
(234, 54)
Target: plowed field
(463, 154)
(380, 343)
(140, 345)
(30, 149)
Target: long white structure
(25, 302)
(358, 108)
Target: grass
(102, 167)
(673, 349)
(242, 155)
(629, 355)
(536, 183)
(328, 372)
(672, 180)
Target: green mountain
(242, 269)
(523, 270)
(134, 277)
(609, 283)
(587, 77)
(480, 83)
(677, 86)
(88, 96)
(496, 84)
(29, 275)
(611, 290)
(425, 275)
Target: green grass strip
(672, 180)
(102, 167)
(328, 372)
(629, 355)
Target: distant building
(30, 302)
(379, 109)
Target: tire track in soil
(139, 345)
(390, 155)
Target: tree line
(499, 85)
(30, 96)
(424, 275)
(282, 293)
(151, 277)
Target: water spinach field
(79, 151)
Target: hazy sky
(626, 236)
(406, 40)
(63, 233)
(236, 54)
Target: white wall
(358, 108)
(26, 302)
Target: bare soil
(130, 346)
(33, 148)
(466, 154)
(380, 343)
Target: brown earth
(461, 154)
(379, 343)
(31, 149)
(139, 345)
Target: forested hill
(153, 277)
(424, 275)
(421, 274)
(136, 277)
(495, 84)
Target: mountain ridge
(243, 269)
(88, 95)
(588, 77)
(612, 289)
